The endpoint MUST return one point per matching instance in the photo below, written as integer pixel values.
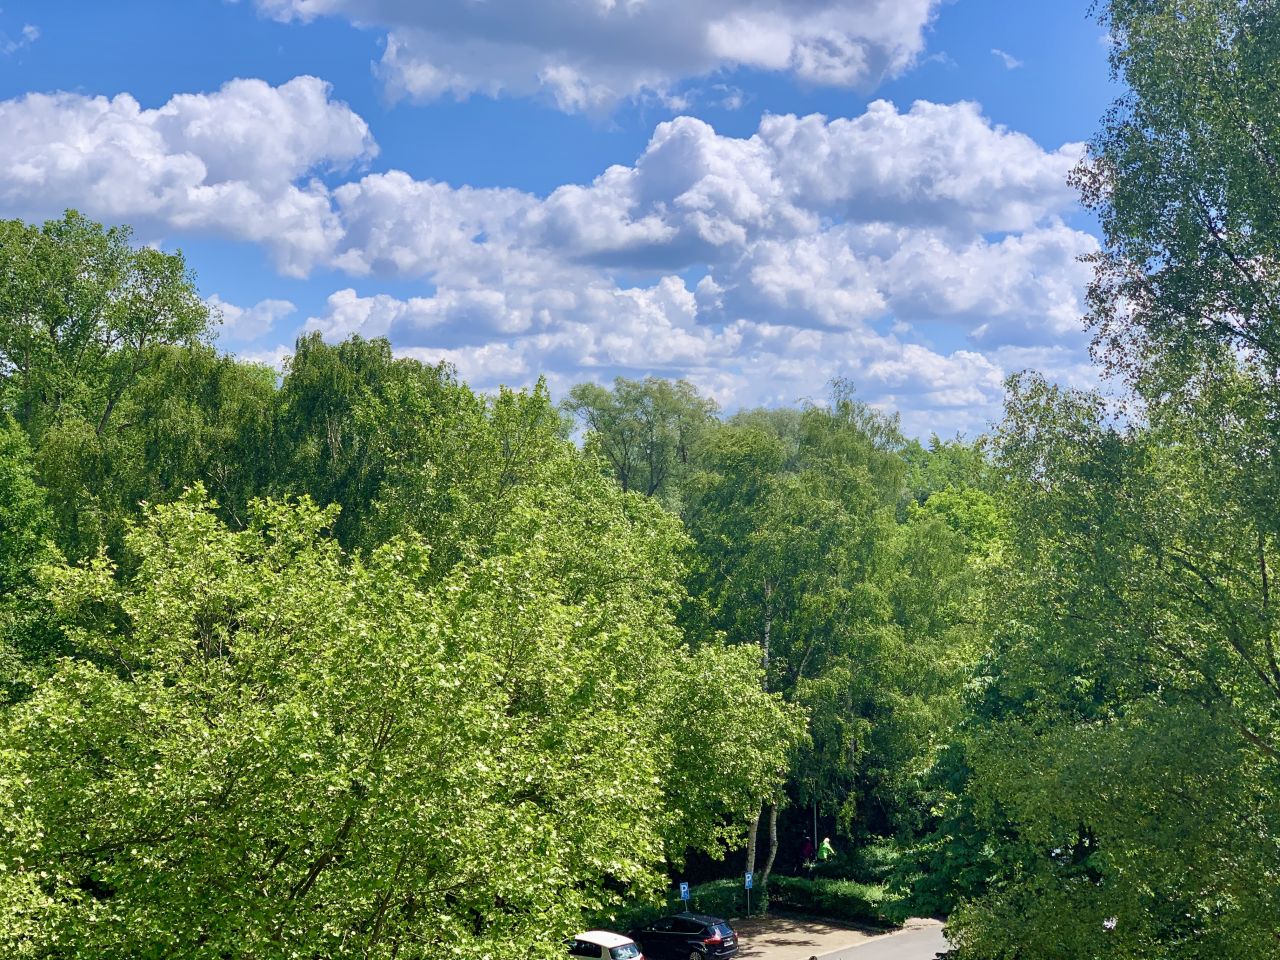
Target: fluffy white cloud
(232, 162)
(245, 324)
(656, 329)
(695, 196)
(815, 248)
(1023, 289)
(810, 250)
(275, 357)
(393, 224)
(923, 253)
(588, 54)
(937, 164)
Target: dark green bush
(869, 863)
(721, 898)
(845, 900)
(875, 862)
(726, 898)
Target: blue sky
(743, 192)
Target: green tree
(1131, 766)
(79, 306)
(1121, 762)
(28, 636)
(1183, 177)
(81, 312)
(263, 747)
(645, 429)
(858, 617)
(332, 398)
(189, 416)
(456, 461)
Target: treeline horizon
(245, 613)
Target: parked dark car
(687, 936)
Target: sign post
(747, 882)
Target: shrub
(837, 899)
(869, 863)
(720, 898)
(875, 862)
(726, 898)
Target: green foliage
(870, 863)
(202, 417)
(24, 517)
(646, 430)
(81, 310)
(1139, 652)
(1183, 178)
(455, 461)
(830, 898)
(726, 898)
(343, 413)
(860, 614)
(846, 900)
(264, 746)
(189, 416)
(416, 677)
(720, 898)
(947, 465)
(78, 307)
(28, 638)
(1115, 788)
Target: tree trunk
(751, 841)
(773, 844)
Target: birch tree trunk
(752, 831)
(773, 844)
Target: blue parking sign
(684, 891)
(748, 881)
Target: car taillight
(713, 940)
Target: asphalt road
(923, 943)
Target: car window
(663, 925)
(628, 951)
(723, 929)
(580, 948)
(685, 925)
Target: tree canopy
(1114, 788)
(351, 659)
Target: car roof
(604, 938)
(701, 917)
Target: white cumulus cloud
(238, 161)
(246, 324)
(588, 54)
(923, 253)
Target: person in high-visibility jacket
(825, 850)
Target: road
(921, 943)
(791, 938)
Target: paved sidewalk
(786, 938)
